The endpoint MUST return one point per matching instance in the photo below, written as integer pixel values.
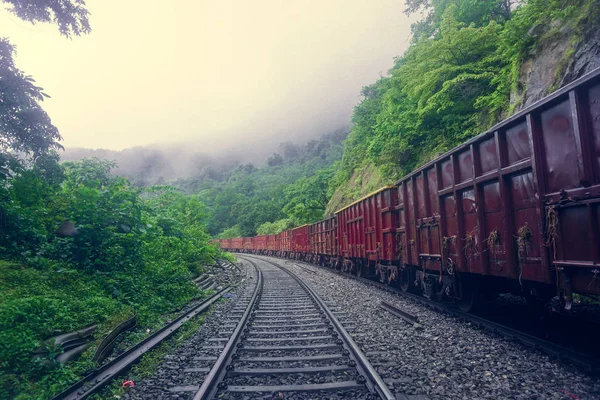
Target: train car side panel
(388, 236)
(567, 148)
(260, 244)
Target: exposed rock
(585, 59)
(558, 60)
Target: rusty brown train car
(515, 209)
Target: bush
(126, 252)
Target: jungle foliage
(452, 83)
(292, 189)
(82, 247)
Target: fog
(166, 163)
(213, 75)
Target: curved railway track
(587, 363)
(289, 344)
(96, 379)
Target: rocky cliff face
(558, 61)
(585, 59)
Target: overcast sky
(218, 72)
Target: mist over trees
(291, 189)
(158, 165)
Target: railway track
(288, 344)
(587, 363)
(96, 379)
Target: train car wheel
(360, 270)
(467, 291)
(467, 303)
(405, 279)
(384, 276)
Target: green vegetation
(454, 81)
(126, 252)
(79, 245)
(292, 189)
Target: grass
(39, 303)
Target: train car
(259, 245)
(516, 209)
(384, 245)
(322, 237)
(237, 244)
(225, 244)
(366, 231)
(248, 244)
(273, 242)
(300, 244)
(285, 239)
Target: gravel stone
(447, 358)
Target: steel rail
(306, 269)
(587, 363)
(405, 315)
(93, 382)
(211, 382)
(373, 381)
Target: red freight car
(272, 244)
(260, 244)
(366, 232)
(225, 244)
(285, 238)
(248, 244)
(316, 247)
(514, 209)
(300, 246)
(322, 237)
(237, 244)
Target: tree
(290, 150)
(233, 232)
(308, 197)
(24, 125)
(273, 228)
(275, 160)
(478, 12)
(71, 16)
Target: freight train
(513, 210)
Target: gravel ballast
(182, 372)
(443, 358)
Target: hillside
(157, 165)
(291, 189)
(243, 191)
(470, 65)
